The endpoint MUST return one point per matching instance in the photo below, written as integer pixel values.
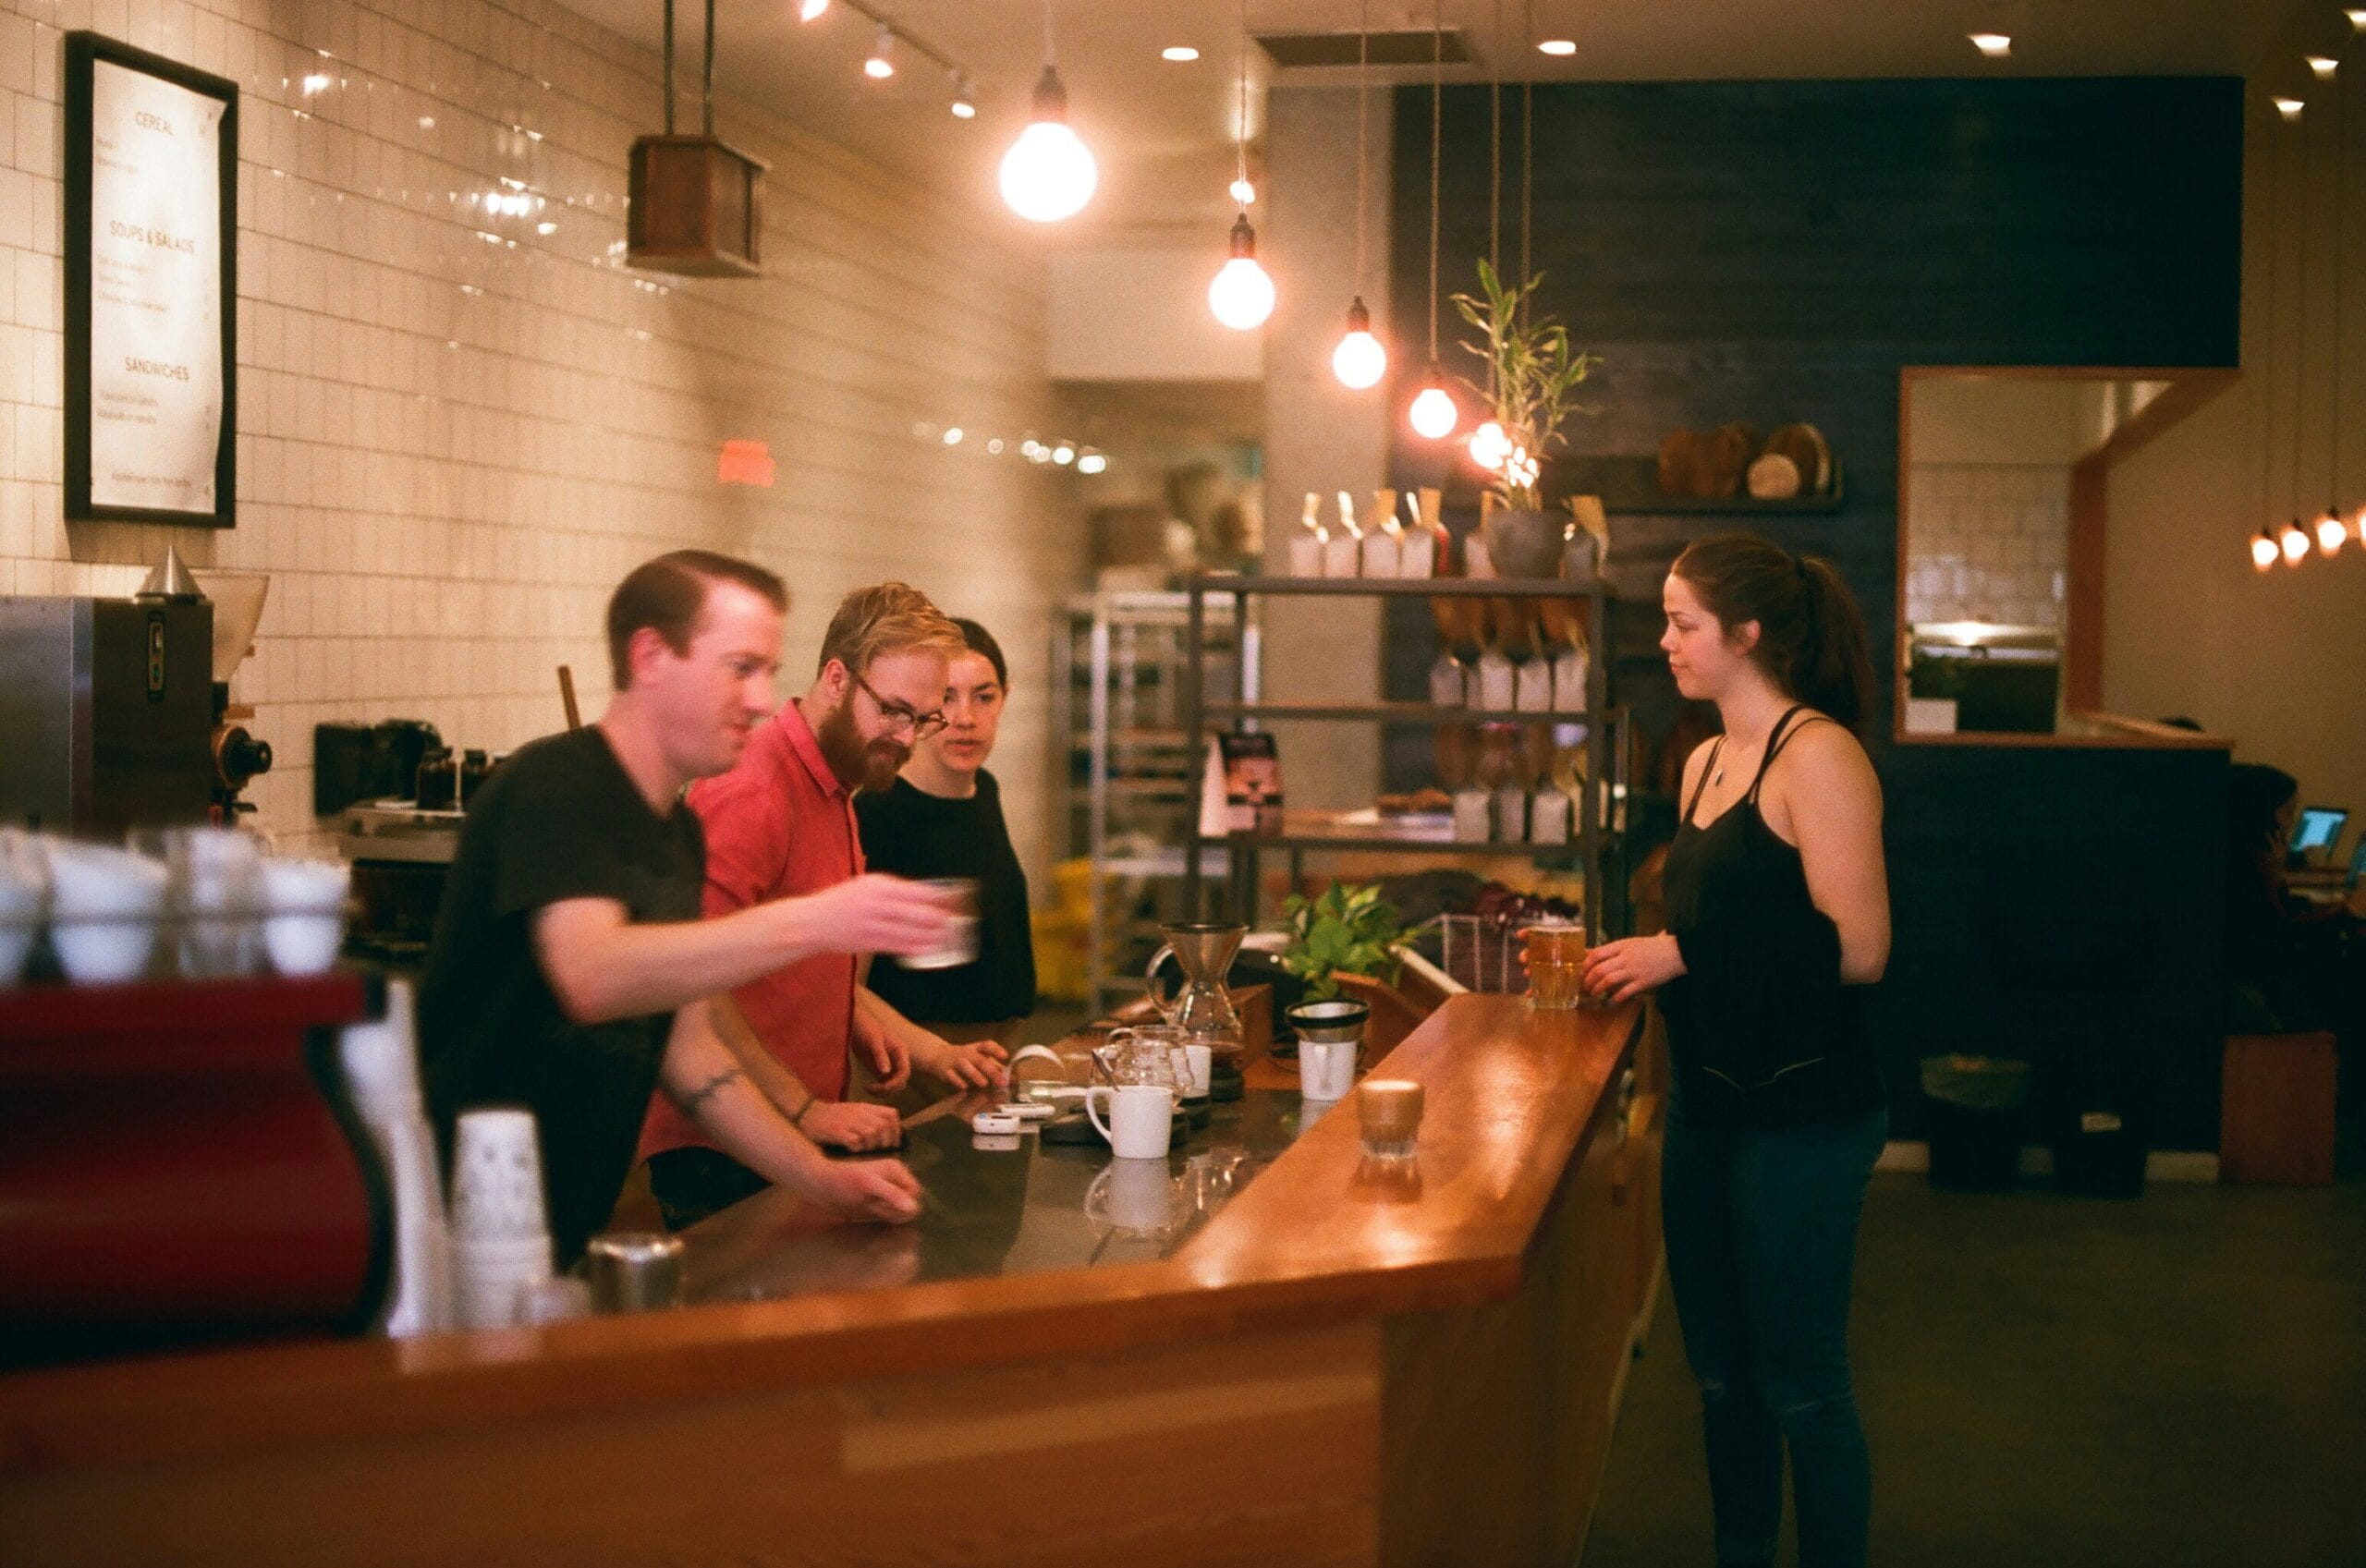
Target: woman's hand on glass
(1621, 970)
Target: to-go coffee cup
(1141, 1122)
(960, 944)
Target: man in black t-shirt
(569, 937)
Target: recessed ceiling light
(1181, 54)
(2290, 108)
(2356, 19)
(1556, 46)
(1995, 46)
(2324, 65)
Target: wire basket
(1478, 952)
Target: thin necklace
(1717, 773)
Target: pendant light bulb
(2332, 532)
(2263, 550)
(1490, 446)
(1361, 360)
(965, 99)
(2295, 541)
(1242, 295)
(881, 64)
(1434, 415)
(807, 10)
(1048, 174)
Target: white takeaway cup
(1141, 1118)
(1327, 1069)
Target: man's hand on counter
(979, 1065)
(867, 1189)
(851, 1125)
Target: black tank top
(1761, 1031)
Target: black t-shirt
(910, 833)
(559, 820)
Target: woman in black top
(942, 818)
(1778, 915)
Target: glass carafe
(1203, 1010)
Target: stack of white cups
(501, 1238)
(381, 1060)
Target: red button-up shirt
(779, 825)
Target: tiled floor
(2179, 1380)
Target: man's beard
(854, 761)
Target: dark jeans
(692, 1182)
(1761, 1241)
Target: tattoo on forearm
(706, 1090)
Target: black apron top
(1762, 1032)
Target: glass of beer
(1556, 955)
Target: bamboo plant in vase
(1532, 372)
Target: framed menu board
(151, 228)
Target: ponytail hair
(1810, 635)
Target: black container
(1976, 1108)
(439, 779)
(2100, 1155)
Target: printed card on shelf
(1241, 790)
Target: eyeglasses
(899, 717)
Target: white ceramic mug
(1141, 1118)
(1327, 1069)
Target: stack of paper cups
(501, 1238)
(381, 1061)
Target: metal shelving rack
(1128, 762)
(1599, 814)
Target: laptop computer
(2314, 833)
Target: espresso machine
(115, 712)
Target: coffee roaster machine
(117, 713)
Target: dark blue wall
(1770, 252)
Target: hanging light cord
(2332, 410)
(1047, 34)
(1437, 98)
(2299, 321)
(1495, 144)
(1363, 63)
(2267, 380)
(1240, 141)
(1527, 152)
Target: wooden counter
(1346, 1365)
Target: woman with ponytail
(1778, 916)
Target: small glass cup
(1388, 1113)
(1556, 956)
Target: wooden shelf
(1386, 846)
(1404, 588)
(1629, 486)
(1397, 712)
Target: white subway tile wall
(461, 419)
(1986, 541)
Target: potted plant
(1532, 371)
(1343, 944)
(1344, 931)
